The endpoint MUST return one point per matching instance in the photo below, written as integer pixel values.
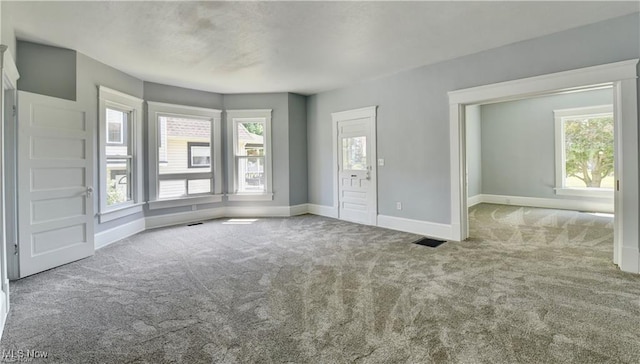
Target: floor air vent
(431, 243)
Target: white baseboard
(112, 235)
(549, 203)
(321, 210)
(184, 217)
(630, 261)
(431, 229)
(222, 212)
(4, 311)
(298, 209)
(474, 200)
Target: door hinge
(13, 107)
(15, 248)
(618, 185)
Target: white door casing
(355, 174)
(55, 174)
(622, 75)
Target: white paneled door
(356, 185)
(55, 173)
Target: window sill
(585, 192)
(250, 197)
(184, 201)
(120, 211)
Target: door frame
(623, 77)
(369, 113)
(8, 87)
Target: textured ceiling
(304, 47)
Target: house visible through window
(120, 154)
(186, 150)
(115, 127)
(584, 150)
(250, 150)
(119, 158)
(199, 155)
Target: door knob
(89, 191)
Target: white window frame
(109, 98)
(159, 109)
(239, 116)
(560, 116)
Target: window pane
(172, 188)
(118, 185)
(354, 153)
(589, 152)
(250, 174)
(199, 186)
(175, 134)
(199, 155)
(116, 125)
(250, 139)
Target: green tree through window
(589, 149)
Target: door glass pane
(589, 152)
(250, 174)
(354, 153)
(177, 138)
(197, 186)
(172, 188)
(118, 186)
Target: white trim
(630, 260)
(118, 233)
(560, 116)
(132, 105)
(157, 109)
(426, 228)
(250, 197)
(321, 210)
(474, 200)
(234, 117)
(369, 112)
(120, 212)
(179, 218)
(184, 201)
(566, 80)
(623, 77)
(257, 211)
(547, 203)
(224, 212)
(191, 110)
(586, 192)
(296, 210)
(10, 70)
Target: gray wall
(279, 103)
(8, 34)
(518, 143)
(298, 149)
(413, 114)
(46, 70)
(474, 150)
(182, 96)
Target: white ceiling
(304, 47)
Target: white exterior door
(356, 167)
(55, 173)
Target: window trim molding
(234, 116)
(118, 100)
(157, 109)
(559, 116)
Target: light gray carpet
(531, 286)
